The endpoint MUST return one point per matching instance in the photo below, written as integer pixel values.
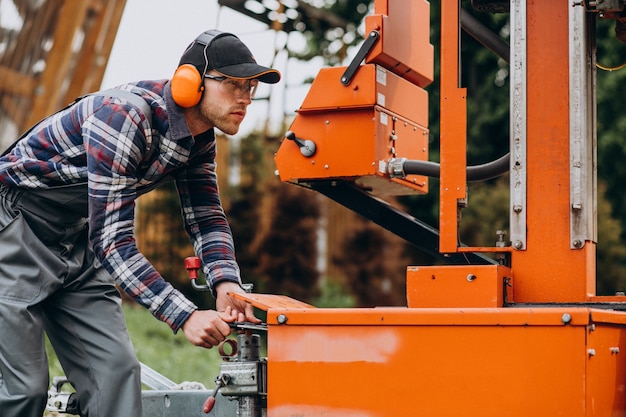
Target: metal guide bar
(518, 101)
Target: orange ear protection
(187, 86)
(187, 83)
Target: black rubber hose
(481, 172)
(484, 35)
(489, 170)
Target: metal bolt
(471, 277)
(566, 318)
(577, 243)
(281, 319)
(501, 235)
(591, 352)
(614, 350)
(517, 209)
(518, 244)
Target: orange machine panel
(404, 45)
(446, 362)
(372, 85)
(357, 129)
(459, 286)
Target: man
(67, 197)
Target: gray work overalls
(50, 281)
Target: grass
(156, 346)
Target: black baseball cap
(226, 54)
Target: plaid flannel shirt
(121, 153)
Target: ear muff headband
(187, 83)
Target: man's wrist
(225, 286)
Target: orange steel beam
(548, 270)
(453, 129)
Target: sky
(153, 35)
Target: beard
(225, 118)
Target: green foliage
(611, 88)
(332, 40)
(611, 251)
(334, 295)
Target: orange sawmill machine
(510, 330)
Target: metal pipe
(484, 35)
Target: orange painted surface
(548, 270)
(353, 130)
(459, 286)
(452, 186)
(404, 45)
(455, 350)
(444, 362)
(266, 301)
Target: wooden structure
(51, 51)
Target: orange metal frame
(525, 340)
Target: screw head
(566, 318)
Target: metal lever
(244, 325)
(367, 45)
(307, 147)
(220, 381)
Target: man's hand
(244, 311)
(208, 328)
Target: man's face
(224, 102)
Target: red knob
(192, 265)
(208, 405)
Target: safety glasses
(234, 86)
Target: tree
(287, 252)
(374, 265)
(611, 88)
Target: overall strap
(111, 92)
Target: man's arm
(210, 233)
(115, 143)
